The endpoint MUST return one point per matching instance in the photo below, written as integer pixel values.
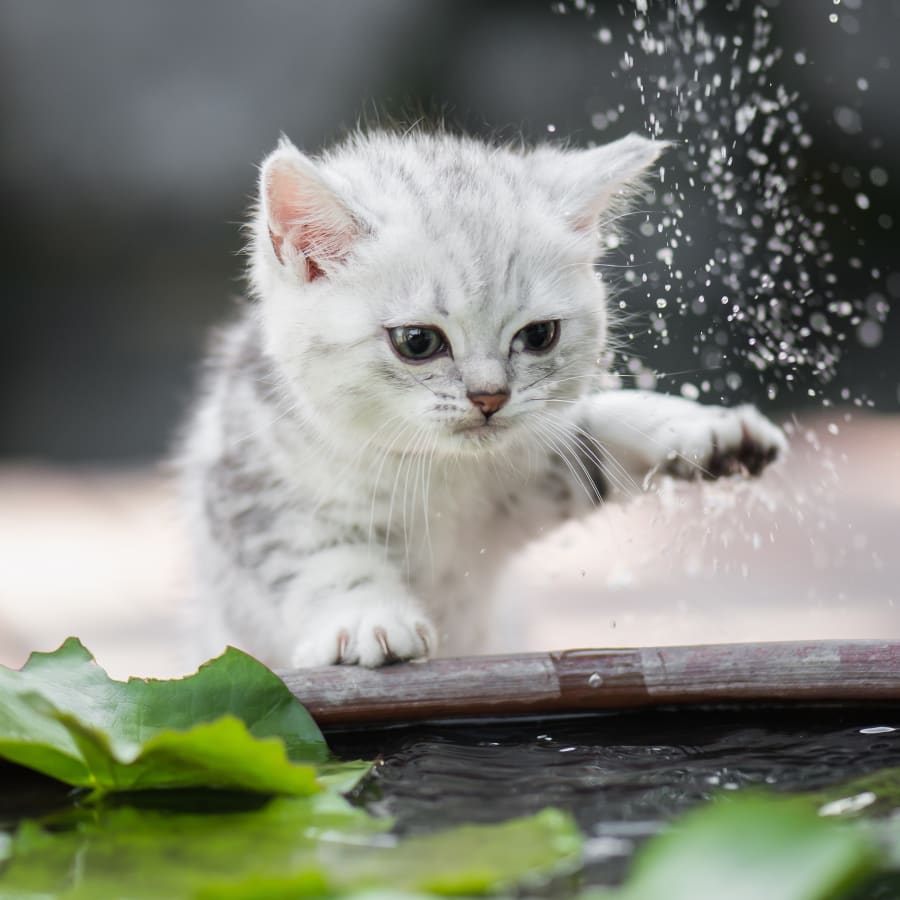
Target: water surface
(624, 776)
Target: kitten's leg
(345, 607)
(641, 432)
(295, 586)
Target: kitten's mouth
(480, 429)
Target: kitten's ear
(589, 182)
(309, 226)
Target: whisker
(575, 444)
(405, 461)
(353, 462)
(655, 441)
(294, 407)
(559, 450)
(606, 455)
(426, 497)
(592, 456)
(383, 460)
(620, 477)
(415, 459)
(631, 212)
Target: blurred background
(128, 162)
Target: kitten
(414, 395)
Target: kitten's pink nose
(489, 403)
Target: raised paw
(716, 442)
(363, 637)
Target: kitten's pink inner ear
(309, 226)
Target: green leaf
(232, 724)
(342, 777)
(290, 848)
(148, 853)
(746, 848)
(223, 727)
(474, 859)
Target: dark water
(623, 775)
(24, 793)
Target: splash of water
(739, 219)
(745, 244)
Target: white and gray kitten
(414, 395)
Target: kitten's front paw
(716, 442)
(365, 637)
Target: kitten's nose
(489, 403)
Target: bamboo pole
(579, 680)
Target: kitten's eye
(537, 337)
(417, 343)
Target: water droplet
(862, 201)
(595, 680)
(848, 804)
(848, 120)
(869, 333)
(849, 24)
(877, 729)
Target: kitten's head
(428, 292)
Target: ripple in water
(623, 776)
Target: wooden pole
(579, 680)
